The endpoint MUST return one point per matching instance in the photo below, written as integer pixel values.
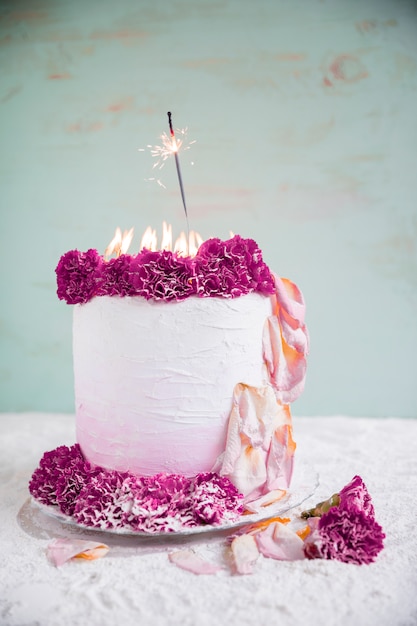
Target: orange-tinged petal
(192, 562)
(258, 526)
(303, 533)
(60, 551)
(278, 541)
(245, 553)
(280, 458)
(286, 341)
(259, 446)
(255, 506)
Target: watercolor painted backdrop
(304, 120)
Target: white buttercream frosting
(154, 380)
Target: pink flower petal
(258, 505)
(62, 550)
(280, 460)
(277, 541)
(193, 562)
(290, 298)
(355, 494)
(286, 341)
(259, 447)
(245, 553)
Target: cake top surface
(228, 269)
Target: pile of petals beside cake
(95, 497)
(342, 528)
(229, 269)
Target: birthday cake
(185, 368)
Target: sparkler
(171, 145)
(177, 163)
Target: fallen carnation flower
(62, 550)
(344, 527)
(353, 496)
(356, 495)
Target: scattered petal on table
(245, 553)
(193, 562)
(279, 542)
(61, 550)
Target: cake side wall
(154, 380)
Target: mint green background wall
(304, 114)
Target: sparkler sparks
(166, 149)
(162, 152)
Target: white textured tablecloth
(136, 584)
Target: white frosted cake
(184, 368)
(154, 380)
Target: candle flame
(190, 248)
(119, 244)
(126, 241)
(149, 239)
(194, 242)
(166, 243)
(182, 246)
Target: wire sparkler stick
(177, 163)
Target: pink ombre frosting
(154, 380)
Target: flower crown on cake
(228, 269)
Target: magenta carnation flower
(221, 268)
(216, 499)
(355, 495)
(217, 273)
(78, 275)
(348, 535)
(105, 498)
(231, 268)
(116, 278)
(163, 276)
(161, 504)
(70, 483)
(344, 527)
(59, 477)
(169, 502)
